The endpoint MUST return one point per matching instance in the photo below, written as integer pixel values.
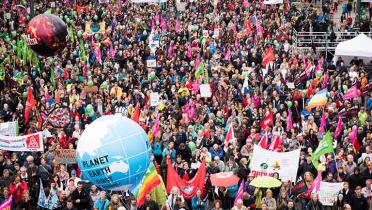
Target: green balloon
(88, 17)
(104, 85)
(192, 63)
(14, 33)
(90, 114)
(90, 84)
(95, 17)
(97, 36)
(79, 33)
(65, 17)
(14, 42)
(89, 73)
(319, 74)
(25, 94)
(152, 75)
(89, 108)
(344, 87)
(289, 104)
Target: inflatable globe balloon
(47, 35)
(113, 153)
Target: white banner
(9, 128)
(273, 2)
(154, 99)
(328, 192)
(149, 1)
(205, 90)
(32, 142)
(266, 163)
(151, 63)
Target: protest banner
(9, 128)
(66, 156)
(266, 163)
(205, 90)
(151, 63)
(32, 142)
(149, 1)
(273, 2)
(154, 99)
(328, 192)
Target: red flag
(39, 122)
(136, 114)
(30, 104)
(267, 121)
(187, 188)
(315, 185)
(269, 56)
(276, 143)
(229, 136)
(264, 142)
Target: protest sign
(273, 2)
(205, 90)
(66, 156)
(266, 163)
(32, 142)
(151, 63)
(154, 99)
(9, 128)
(205, 33)
(216, 32)
(328, 192)
(149, 1)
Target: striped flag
(229, 136)
(239, 195)
(7, 204)
(315, 185)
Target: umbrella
(266, 182)
(224, 179)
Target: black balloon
(47, 34)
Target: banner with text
(328, 192)
(32, 142)
(266, 163)
(9, 128)
(149, 1)
(66, 156)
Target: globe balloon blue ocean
(113, 153)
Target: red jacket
(17, 192)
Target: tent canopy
(359, 46)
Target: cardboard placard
(66, 156)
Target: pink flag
(93, 45)
(112, 52)
(162, 24)
(351, 93)
(289, 121)
(353, 138)
(339, 127)
(233, 27)
(227, 55)
(67, 3)
(195, 87)
(178, 27)
(323, 122)
(189, 53)
(170, 51)
(240, 193)
(98, 55)
(75, 4)
(156, 126)
(236, 44)
(276, 143)
(315, 185)
(246, 3)
(152, 25)
(156, 18)
(325, 81)
(259, 28)
(197, 62)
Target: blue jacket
(102, 204)
(219, 153)
(197, 205)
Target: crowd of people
(232, 39)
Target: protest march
(186, 104)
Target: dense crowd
(192, 127)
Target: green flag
(19, 77)
(83, 55)
(200, 70)
(52, 78)
(325, 146)
(2, 73)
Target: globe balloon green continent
(113, 153)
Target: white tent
(360, 46)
